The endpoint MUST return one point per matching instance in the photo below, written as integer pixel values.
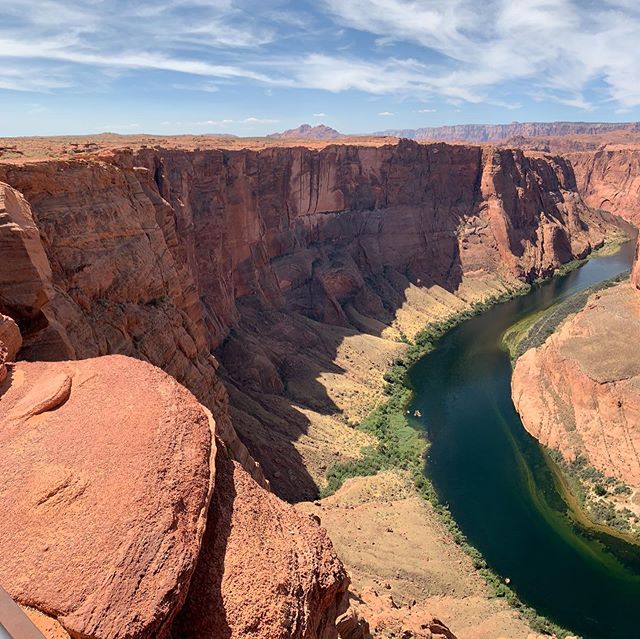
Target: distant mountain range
(470, 132)
(502, 132)
(308, 132)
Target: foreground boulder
(107, 490)
(106, 484)
(265, 571)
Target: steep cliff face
(260, 281)
(274, 260)
(635, 270)
(610, 179)
(580, 391)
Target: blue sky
(252, 67)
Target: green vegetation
(532, 331)
(402, 446)
(599, 497)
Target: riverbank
(401, 446)
(597, 501)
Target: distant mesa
(503, 132)
(308, 132)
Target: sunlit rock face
(580, 391)
(610, 179)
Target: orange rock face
(10, 337)
(106, 486)
(635, 270)
(111, 477)
(580, 391)
(610, 179)
(265, 570)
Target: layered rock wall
(580, 391)
(250, 267)
(610, 179)
(267, 261)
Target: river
(498, 484)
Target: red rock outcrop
(169, 256)
(265, 570)
(580, 391)
(609, 179)
(109, 482)
(10, 337)
(116, 285)
(106, 486)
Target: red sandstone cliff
(635, 270)
(170, 256)
(269, 260)
(610, 179)
(580, 391)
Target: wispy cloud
(569, 51)
(386, 114)
(559, 45)
(229, 121)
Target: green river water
(498, 484)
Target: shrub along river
(501, 488)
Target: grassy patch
(533, 330)
(600, 498)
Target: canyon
(277, 286)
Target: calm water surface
(495, 479)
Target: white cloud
(426, 110)
(228, 121)
(386, 114)
(319, 115)
(561, 49)
(559, 45)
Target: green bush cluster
(582, 477)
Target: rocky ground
(404, 564)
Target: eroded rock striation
(609, 179)
(580, 391)
(255, 267)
